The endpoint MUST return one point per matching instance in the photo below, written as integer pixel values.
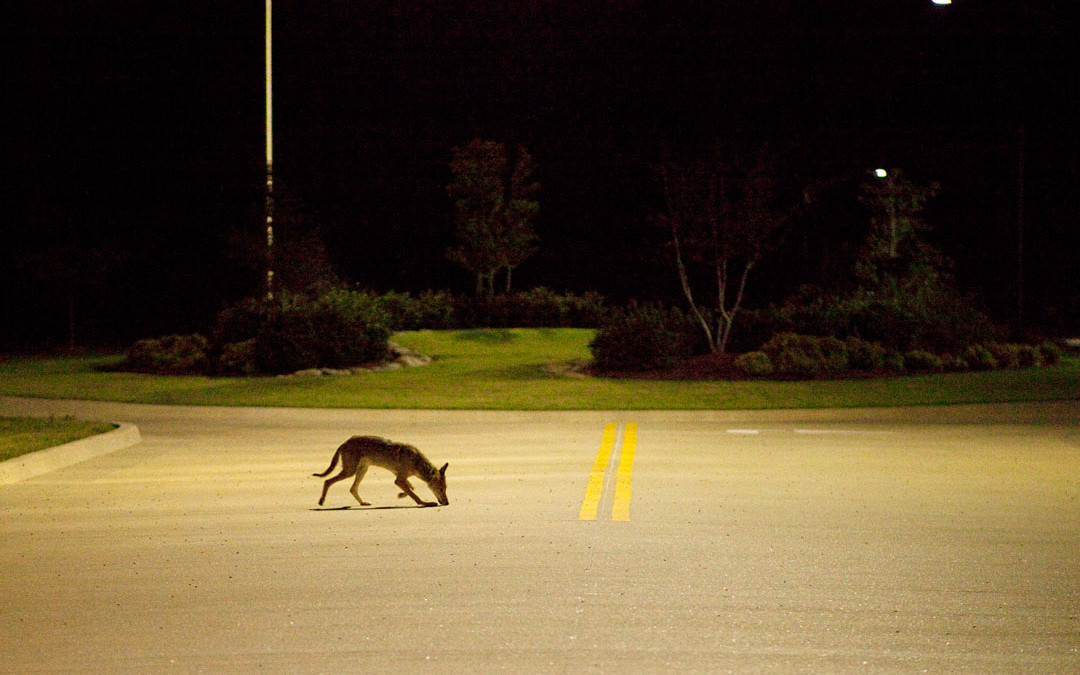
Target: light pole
(269, 203)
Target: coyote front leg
(403, 483)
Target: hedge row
(937, 323)
(791, 355)
(341, 328)
(337, 329)
(649, 337)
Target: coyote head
(438, 485)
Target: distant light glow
(942, 2)
(881, 173)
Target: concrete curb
(51, 459)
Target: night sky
(134, 141)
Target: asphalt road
(898, 541)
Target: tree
(721, 216)
(494, 211)
(75, 269)
(895, 224)
(302, 263)
(906, 288)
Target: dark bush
(1006, 355)
(170, 355)
(926, 317)
(835, 355)
(754, 364)
(239, 322)
(956, 364)
(894, 362)
(979, 357)
(1050, 352)
(865, 355)
(436, 310)
(587, 310)
(919, 360)
(238, 358)
(796, 355)
(637, 338)
(431, 310)
(403, 312)
(540, 307)
(536, 308)
(338, 329)
(1028, 356)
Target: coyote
(360, 452)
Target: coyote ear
(442, 471)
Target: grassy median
(521, 369)
(20, 435)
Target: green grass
(20, 435)
(512, 370)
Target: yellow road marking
(621, 509)
(595, 488)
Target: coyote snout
(360, 452)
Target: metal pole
(1020, 234)
(269, 204)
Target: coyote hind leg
(360, 471)
(342, 475)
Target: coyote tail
(333, 463)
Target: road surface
(896, 541)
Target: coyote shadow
(371, 508)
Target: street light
(269, 204)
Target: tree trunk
(71, 321)
(685, 281)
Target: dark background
(134, 142)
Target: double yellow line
(612, 444)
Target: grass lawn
(520, 370)
(20, 435)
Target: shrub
(349, 328)
(978, 357)
(587, 310)
(894, 361)
(536, 308)
(339, 328)
(402, 311)
(1006, 355)
(637, 338)
(238, 358)
(1028, 356)
(835, 354)
(1050, 352)
(865, 355)
(432, 310)
(540, 308)
(239, 322)
(754, 364)
(919, 313)
(436, 310)
(956, 364)
(171, 355)
(796, 355)
(920, 360)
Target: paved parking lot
(901, 541)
